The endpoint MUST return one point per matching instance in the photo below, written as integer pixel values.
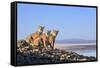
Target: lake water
(83, 49)
(85, 52)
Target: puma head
(40, 29)
(48, 32)
(54, 32)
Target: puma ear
(49, 30)
(53, 29)
(57, 30)
(41, 26)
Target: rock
(29, 55)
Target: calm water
(85, 52)
(83, 49)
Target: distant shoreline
(76, 46)
(84, 49)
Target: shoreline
(64, 45)
(87, 49)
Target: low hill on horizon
(75, 41)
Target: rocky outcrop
(26, 54)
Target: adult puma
(52, 38)
(45, 38)
(49, 38)
(35, 38)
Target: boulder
(29, 55)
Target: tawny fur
(45, 38)
(35, 38)
(52, 38)
(49, 39)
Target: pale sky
(71, 21)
